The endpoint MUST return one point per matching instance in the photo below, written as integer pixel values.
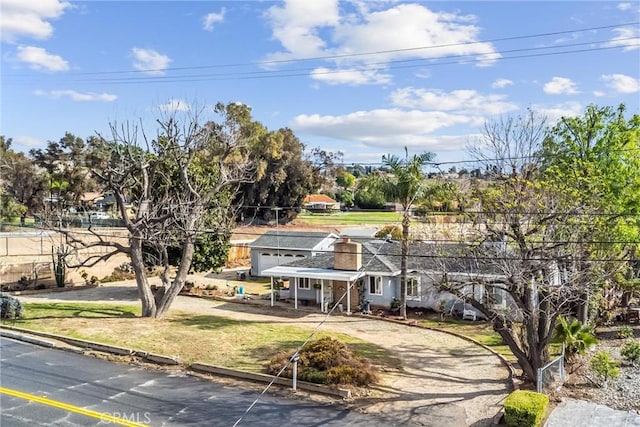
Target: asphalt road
(43, 387)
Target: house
(320, 203)
(276, 248)
(370, 269)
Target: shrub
(625, 332)
(604, 366)
(24, 281)
(576, 336)
(326, 361)
(10, 307)
(525, 408)
(41, 286)
(393, 230)
(631, 351)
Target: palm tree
(404, 185)
(576, 337)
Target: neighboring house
(371, 269)
(283, 247)
(320, 203)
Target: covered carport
(322, 274)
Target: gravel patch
(624, 392)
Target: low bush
(390, 230)
(631, 351)
(604, 367)
(10, 307)
(525, 408)
(625, 332)
(326, 361)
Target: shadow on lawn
(207, 322)
(65, 311)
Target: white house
(276, 248)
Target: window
(303, 283)
(413, 287)
(265, 254)
(375, 285)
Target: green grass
(349, 218)
(192, 338)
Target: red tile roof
(318, 198)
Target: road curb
(264, 378)
(28, 339)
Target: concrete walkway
(586, 414)
(444, 380)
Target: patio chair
(468, 314)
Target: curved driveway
(444, 380)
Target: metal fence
(552, 375)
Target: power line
(287, 73)
(372, 53)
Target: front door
(339, 288)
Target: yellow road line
(70, 408)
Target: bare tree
(169, 190)
(527, 250)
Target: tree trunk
(173, 290)
(403, 264)
(144, 291)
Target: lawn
(349, 218)
(205, 339)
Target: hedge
(525, 408)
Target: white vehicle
(99, 215)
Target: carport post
(348, 297)
(322, 310)
(295, 294)
(272, 296)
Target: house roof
(291, 240)
(318, 198)
(384, 257)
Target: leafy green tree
(68, 176)
(284, 178)
(404, 184)
(22, 187)
(368, 195)
(345, 180)
(595, 160)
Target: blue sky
(363, 77)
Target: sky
(366, 78)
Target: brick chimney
(347, 255)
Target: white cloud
(150, 61)
(395, 31)
(624, 6)
(555, 112)
(598, 93)
(296, 25)
(78, 96)
(626, 37)
(462, 101)
(29, 18)
(210, 19)
(350, 76)
(501, 83)
(27, 141)
(39, 59)
(621, 83)
(560, 86)
(175, 105)
(382, 127)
